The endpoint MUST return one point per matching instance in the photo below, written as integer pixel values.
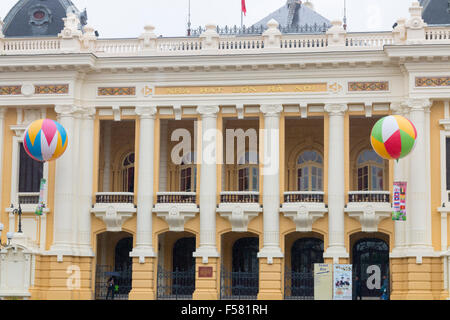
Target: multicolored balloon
(393, 137)
(45, 140)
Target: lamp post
(9, 235)
(19, 213)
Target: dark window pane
(30, 172)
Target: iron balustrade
(176, 197)
(239, 285)
(298, 285)
(292, 197)
(124, 197)
(175, 285)
(239, 197)
(28, 198)
(369, 196)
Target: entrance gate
(122, 278)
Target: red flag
(244, 9)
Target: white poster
(323, 282)
(342, 282)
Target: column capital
(88, 113)
(418, 104)
(147, 112)
(67, 110)
(336, 109)
(208, 111)
(271, 110)
(398, 107)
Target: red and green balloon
(393, 137)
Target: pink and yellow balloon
(45, 140)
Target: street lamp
(9, 236)
(19, 213)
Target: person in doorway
(111, 288)
(385, 289)
(357, 288)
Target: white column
(208, 184)
(336, 183)
(144, 236)
(86, 176)
(418, 186)
(64, 187)
(107, 157)
(2, 146)
(271, 183)
(163, 156)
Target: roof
(298, 16)
(36, 18)
(436, 11)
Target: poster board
(399, 201)
(342, 282)
(323, 281)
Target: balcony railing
(304, 196)
(369, 196)
(114, 197)
(176, 197)
(239, 197)
(28, 198)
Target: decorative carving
(271, 109)
(304, 214)
(369, 214)
(28, 90)
(368, 86)
(148, 112)
(432, 82)
(336, 109)
(208, 111)
(52, 89)
(10, 90)
(176, 214)
(117, 91)
(239, 214)
(114, 215)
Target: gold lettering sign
(277, 88)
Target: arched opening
(188, 173)
(240, 275)
(176, 266)
(370, 168)
(299, 274)
(248, 172)
(370, 258)
(127, 173)
(113, 261)
(310, 171)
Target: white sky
(126, 19)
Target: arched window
(305, 253)
(248, 172)
(370, 171)
(310, 171)
(127, 173)
(188, 173)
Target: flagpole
(242, 20)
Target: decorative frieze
(10, 90)
(51, 89)
(432, 82)
(368, 86)
(117, 91)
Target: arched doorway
(176, 266)
(370, 264)
(299, 280)
(113, 260)
(242, 282)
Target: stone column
(143, 254)
(107, 157)
(418, 186)
(2, 129)
(207, 254)
(86, 176)
(64, 187)
(270, 286)
(144, 238)
(336, 183)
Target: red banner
(244, 8)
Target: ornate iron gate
(122, 279)
(239, 285)
(175, 285)
(298, 285)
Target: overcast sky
(126, 19)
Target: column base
(207, 279)
(143, 279)
(271, 280)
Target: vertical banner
(342, 282)
(323, 282)
(399, 201)
(40, 207)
